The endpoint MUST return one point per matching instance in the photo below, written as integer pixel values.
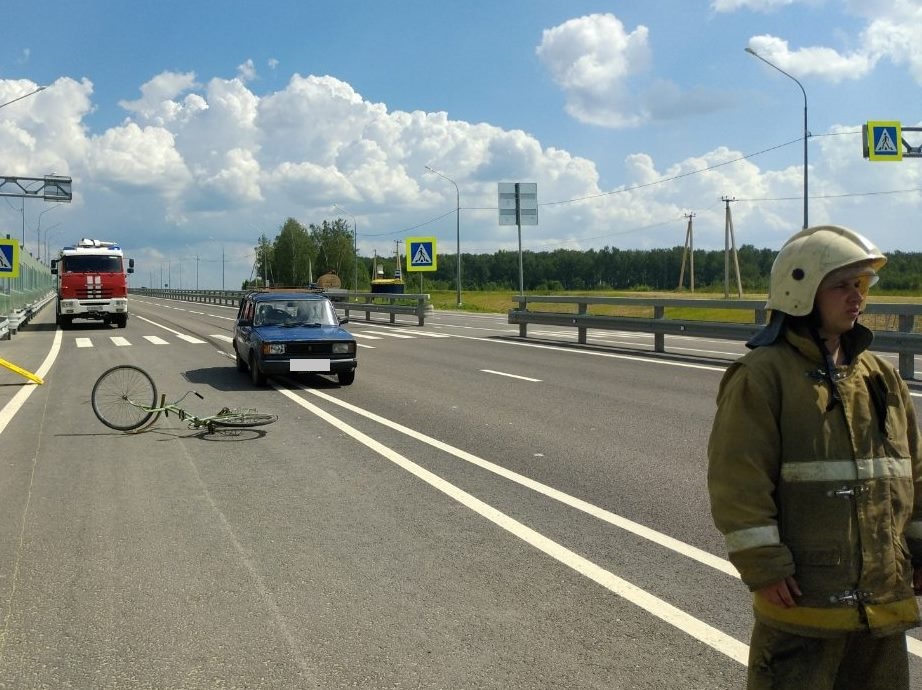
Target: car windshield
(314, 312)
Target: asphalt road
(475, 511)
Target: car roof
(285, 296)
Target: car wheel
(240, 361)
(256, 374)
(346, 378)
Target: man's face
(840, 297)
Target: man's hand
(782, 593)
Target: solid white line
(663, 610)
(190, 338)
(595, 353)
(369, 337)
(17, 401)
(664, 540)
(511, 376)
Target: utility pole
(689, 252)
(730, 243)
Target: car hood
(304, 333)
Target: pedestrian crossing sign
(421, 254)
(9, 258)
(884, 141)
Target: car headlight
(273, 348)
(343, 348)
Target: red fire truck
(92, 283)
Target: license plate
(309, 365)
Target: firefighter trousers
(854, 661)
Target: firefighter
(815, 478)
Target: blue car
(286, 332)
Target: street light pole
(38, 231)
(457, 225)
(355, 247)
(806, 132)
(47, 232)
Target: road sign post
(518, 205)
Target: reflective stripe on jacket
(827, 491)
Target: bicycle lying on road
(125, 399)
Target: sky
(190, 129)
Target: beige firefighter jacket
(826, 491)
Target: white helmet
(808, 257)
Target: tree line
(299, 254)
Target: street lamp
(457, 224)
(355, 247)
(38, 231)
(806, 133)
(48, 234)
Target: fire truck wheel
(121, 320)
(64, 321)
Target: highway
(475, 511)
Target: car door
(243, 328)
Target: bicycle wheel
(123, 397)
(243, 418)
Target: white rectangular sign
(527, 203)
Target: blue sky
(190, 128)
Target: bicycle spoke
(243, 418)
(123, 396)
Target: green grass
(500, 302)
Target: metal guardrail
(386, 303)
(901, 341)
(368, 302)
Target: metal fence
(893, 324)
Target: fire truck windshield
(92, 264)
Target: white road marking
(663, 610)
(512, 376)
(83, 342)
(12, 407)
(365, 335)
(183, 336)
(119, 341)
(221, 336)
(425, 333)
(389, 335)
(155, 339)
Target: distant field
(500, 302)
